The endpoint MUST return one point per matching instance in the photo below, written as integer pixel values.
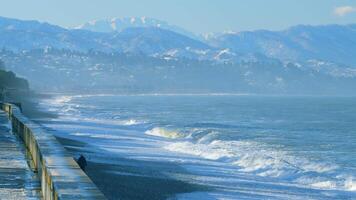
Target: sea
(238, 146)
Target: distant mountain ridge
(332, 43)
(69, 71)
(335, 43)
(19, 35)
(299, 60)
(120, 24)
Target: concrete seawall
(61, 177)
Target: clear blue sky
(199, 16)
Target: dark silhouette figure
(82, 162)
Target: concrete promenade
(17, 180)
(60, 177)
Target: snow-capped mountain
(302, 59)
(335, 43)
(155, 41)
(332, 43)
(19, 35)
(120, 24)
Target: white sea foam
(62, 99)
(123, 122)
(92, 135)
(246, 156)
(335, 183)
(61, 105)
(80, 134)
(131, 122)
(350, 184)
(324, 185)
(120, 122)
(265, 161)
(202, 150)
(208, 138)
(165, 133)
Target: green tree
(9, 80)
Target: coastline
(115, 170)
(131, 179)
(60, 175)
(124, 178)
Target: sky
(199, 16)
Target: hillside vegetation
(10, 81)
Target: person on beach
(82, 162)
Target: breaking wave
(165, 133)
(71, 111)
(260, 159)
(121, 122)
(206, 141)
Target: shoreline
(60, 177)
(113, 170)
(126, 178)
(131, 179)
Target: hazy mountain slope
(154, 40)
(17, 35)
(300, 60)
(62, 70)
(334, 43)
(120, 24)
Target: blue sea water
(242, 146)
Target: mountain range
(120, 24)
(258, 58)
(333, 43)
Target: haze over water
(239, 146)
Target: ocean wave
(131, 122)
(202, 150)
(266, 161)
(208, 138)
(61, 105)
(345, 183)
(101, 136)
(120, 122)
(165, 133)
(62, 99)
(350, 184)
(246, 156)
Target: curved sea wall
(61, 177)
